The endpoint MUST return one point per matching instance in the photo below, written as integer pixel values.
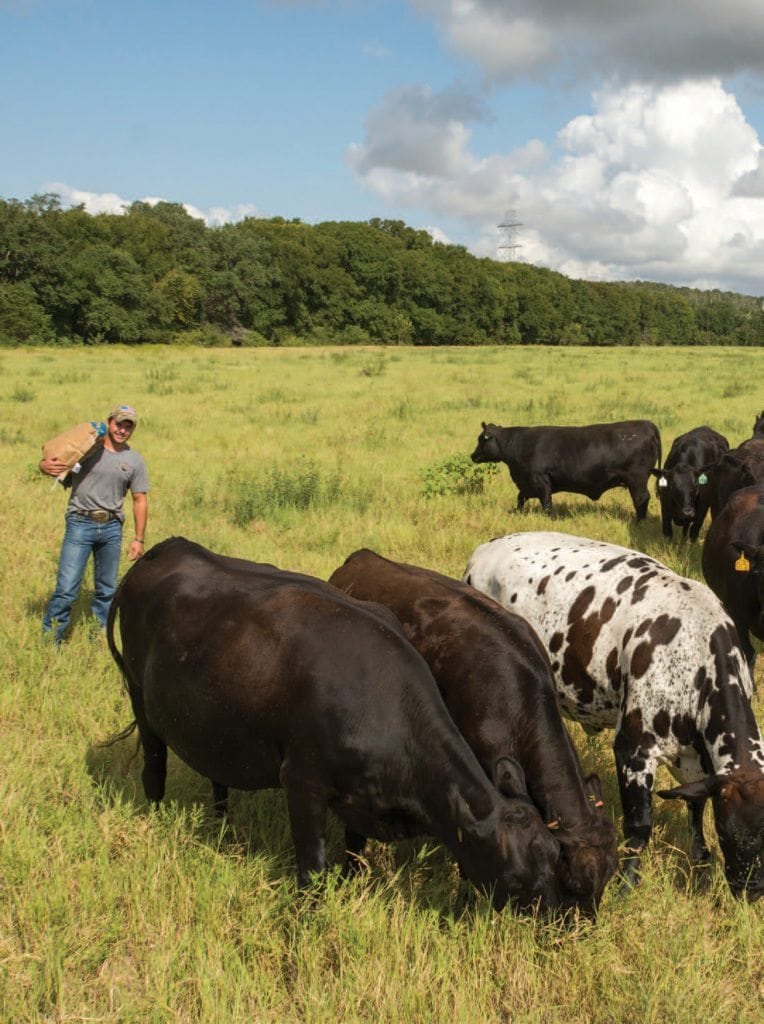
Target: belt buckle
(99, 516)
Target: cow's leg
(700, 852)
(545, 496)
(640, 497)
(520, 501)
(307, 817)
(665, 517)
(635, 781)
(355, 844)
(695, 525)
(219, 798)
(154, 773)
(154, 765)
(701, 508)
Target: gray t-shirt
(105, 479)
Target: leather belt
(98, 515)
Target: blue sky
(627, 138)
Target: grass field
(111, 912)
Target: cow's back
(482, 655)
(609, 616)
(699, 448)
(606, 452)
(266, 662)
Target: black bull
(259, 678)
(582, 460)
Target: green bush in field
(207, 336)
(374, 365)
(457, 474)
(299, 487)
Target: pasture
(111, 912)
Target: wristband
(138, 540)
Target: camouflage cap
(120, 413)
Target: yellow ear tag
(742, 564)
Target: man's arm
(140, 515)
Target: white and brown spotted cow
(639, 649)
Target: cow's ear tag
(663, 482)
(702, 479)
(742, 564)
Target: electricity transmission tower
(509, 245)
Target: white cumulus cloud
(660, 182)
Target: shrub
(251, 339)
(298, 487)
(374, 366)
(457, 474)
(208, 336)
(22, 394)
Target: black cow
(259, 678)
(496, 680)
(733, 563)
(739, 467)
(683, 477)
(583, 460)
(758, 427)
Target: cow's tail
(112, 617)
(121, 735)
(120, 661)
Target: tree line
(156, 274)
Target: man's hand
(53, 467)
(135, 550)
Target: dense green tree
(22, 319)
(157, 273)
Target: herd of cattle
(410, 703)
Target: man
(94, 518)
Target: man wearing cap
(94, 519)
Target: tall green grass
(112, 912)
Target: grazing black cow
(583, 460)
(739, 467)
(495, 678)
(259, 678)
(733, 563)
(683, 476)
(654, 656)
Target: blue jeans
(83, 537)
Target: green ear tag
(702, 479)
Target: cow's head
(487, 449)
(512, 853)
(738, 800)
(680, 487)
(589, 856)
